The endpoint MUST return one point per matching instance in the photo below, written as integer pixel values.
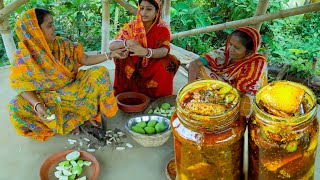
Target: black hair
(41, 13)
(153, 2)
(245, 39)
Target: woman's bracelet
(35, 106)
(108, 55)
(125, 43)
(150, 53)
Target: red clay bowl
(48, 167)
(132, 101)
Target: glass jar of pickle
(208, 131)
(283, 132)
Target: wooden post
(166, 11)
(252, 20)
(105, 29)
(6, 35)
(261, 10)
(10, 8)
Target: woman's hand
(119, 53)
(41, 112)
(138, 50)
(194, 70)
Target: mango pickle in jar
(283, 132)
(208, 131)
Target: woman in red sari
(238, 64)
(148, 67)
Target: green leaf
(298, 51)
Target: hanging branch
(10, 8)
(128, 6)
(251, 20)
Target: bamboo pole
(105, 29)
(261, 10)
(7, 37)
(10, 8)
(128, 6)
(248, 21)
(116, 20)
(166, 11)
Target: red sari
(247, 75)
(150, 76)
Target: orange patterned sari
(150, 76)
(51, 71)
(247, 74)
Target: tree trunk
(248, 21)
(10, 8)
(166, 11)
(126, 5)
(7, 37)
(105, 29)
(261, 10)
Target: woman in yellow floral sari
(45, 75)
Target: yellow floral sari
(51, 71)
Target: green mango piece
(159, 127)
(225, 90)
(150, 130)
(63, 163)
(49, 112)
(292, 146)
(141, 124)
(150, 111)
(229, 98)
(138, 129)
(165, 106)
(152, 123)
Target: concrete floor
(22, 157)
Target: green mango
(150, 130)
(152, 123)
(159, 127)
(165, 106)
(141, 124)
(138, 129)
(150, 111)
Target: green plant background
(293, 40)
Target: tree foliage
(293, 40)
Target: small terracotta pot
(48, 166)
(132, 101)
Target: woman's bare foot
(75, 131)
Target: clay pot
(48, 167)
(132, 101)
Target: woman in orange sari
(238, 64)
(45, 75)
(148, 68)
